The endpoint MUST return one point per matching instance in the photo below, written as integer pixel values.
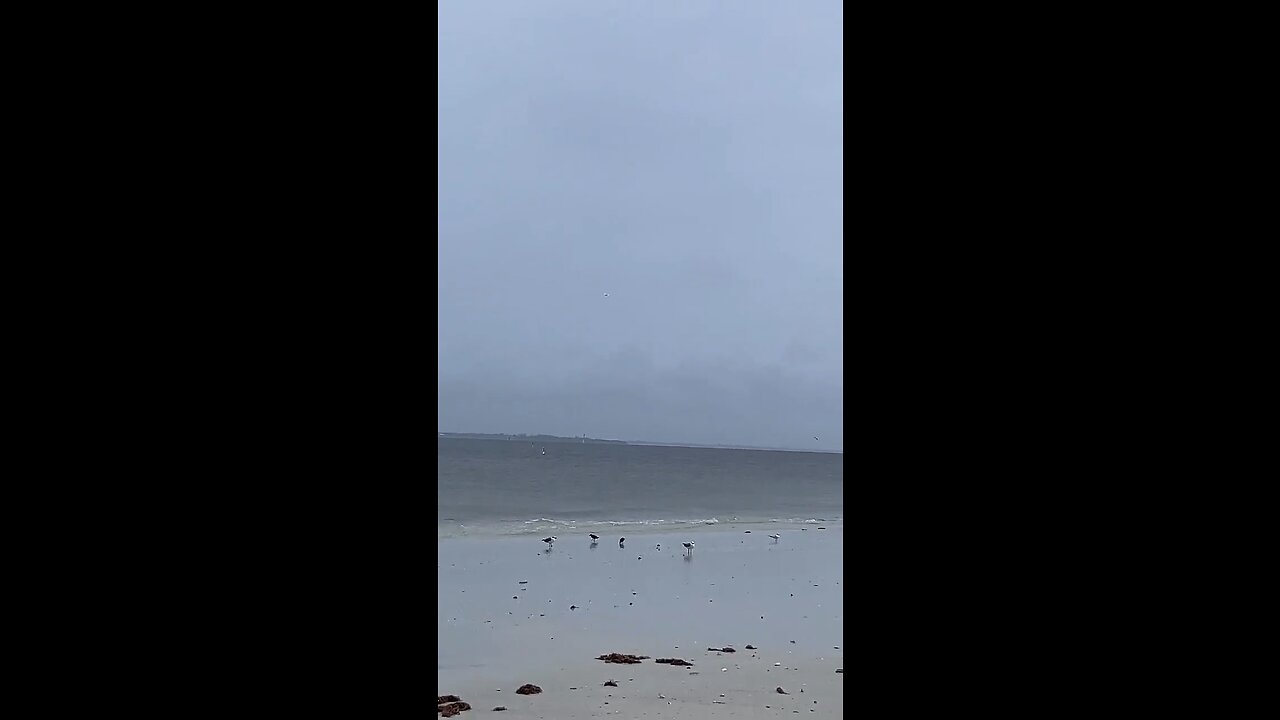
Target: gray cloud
(684, 157)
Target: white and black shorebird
(594, 538)
(775, 537)
(620, 541)
(688, 547)
(549, 540)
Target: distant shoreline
(599, 441)
(737, 447)
(530, 438)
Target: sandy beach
(511, 613)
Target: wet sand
(497, 633)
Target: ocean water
(500, 487)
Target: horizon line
(662, 443)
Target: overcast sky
(683, 156)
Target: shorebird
(620, 541)
(775, 537)
(688, 546)
(549, 540)
(594, 538)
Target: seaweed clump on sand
(450, 705)
(623, 658)
(674, 661)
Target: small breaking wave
(538, 524)
(545, 525)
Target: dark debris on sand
(674, 661)
(610, 683)
(450, 709)
(622, 658)
(528, 689)
(723, 649)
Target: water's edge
(609, 528)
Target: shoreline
(452, 529)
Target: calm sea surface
(510, 487)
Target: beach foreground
(577, 602)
